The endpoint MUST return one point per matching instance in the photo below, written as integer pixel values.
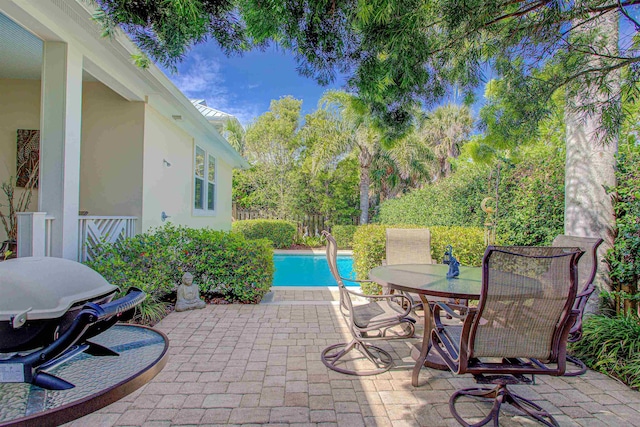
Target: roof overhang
(109, 60)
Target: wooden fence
(311, 225)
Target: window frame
(204, 211)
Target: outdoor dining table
(99, 381)
(429, 281)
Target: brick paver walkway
(258, 364)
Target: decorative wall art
(28, 160)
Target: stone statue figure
(454, 265)
(188, 295)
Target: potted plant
(11, 207)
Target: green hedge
(344, 235)
(369, 247)
(531, 207)
(223, 264)
(624, 257)
(280, 232)
(531, 198)
(450, 201)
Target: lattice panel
(103, 230)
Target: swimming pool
(309, 270)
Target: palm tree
(409, 163)
(235, 134)
(445, 130)
(352, 131)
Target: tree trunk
(365, 158)
(590, 164)
(365, 180)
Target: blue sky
(245, 85)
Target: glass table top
(98, 380)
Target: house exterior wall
(169, 189)
(19, 109)
(111, 154)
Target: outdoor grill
(49, 309)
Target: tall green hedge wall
(531, 208)
(530, 194)
(452, 201)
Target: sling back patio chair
(413, 246)
(587, 267)
(519, 328)
(408, 246)
(371, 321)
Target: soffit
(20, 52)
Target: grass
(611, 345)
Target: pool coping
(311, 251)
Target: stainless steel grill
(49, 309)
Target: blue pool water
(309, 270)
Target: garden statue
(454, 265)
(188, 295)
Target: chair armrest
(441, 305)
(587, 291)
(448, 307)
(345, 279)
(389, 297)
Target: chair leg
(582, 368)
(500, 394)
(378, 357)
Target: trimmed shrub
(344, 235)
(611, 345)
(369, 247)
(451, 201)
(222, 263)
(280, 232)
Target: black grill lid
(45, 288)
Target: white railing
(34, 234)
(98, 229)
(48, 226)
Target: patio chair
(372, 321)
(587, 267)
(520, 327)
(408, 246)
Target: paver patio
(259, 364)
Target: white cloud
(201, 78)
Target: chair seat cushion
(374, 312)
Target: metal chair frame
(587, 268)
(363, 331)
(461, 356)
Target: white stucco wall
(19, 109)
(111, 153)
(170, 188)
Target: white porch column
(59, 192)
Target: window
(211, 183)
(205, 181)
